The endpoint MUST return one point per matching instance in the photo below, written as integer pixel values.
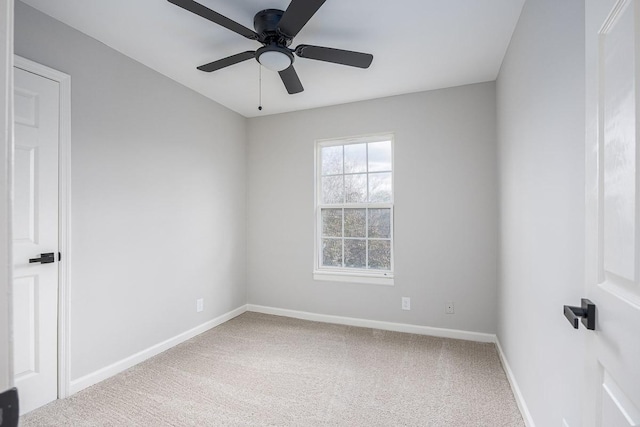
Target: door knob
(587, 311)
(44, 259)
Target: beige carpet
(260, 370)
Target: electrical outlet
(199, 305)
(449, 309)
(406, 303)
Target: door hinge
(59, 257)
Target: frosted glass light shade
(274, 60)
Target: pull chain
(259, 87)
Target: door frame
(64, 215)
(6, 202)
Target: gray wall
(540, 99)
(158, 198)
(445, 209)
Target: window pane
(355, 224)
(332, 160)
(355, 187)
(355, 158)
(380, 223)
(332, 189)
(332, 222)
(332, 252)
(380, 254)
(380, 156)
(380, 187)
(355, 253)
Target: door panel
(25, 176)
(617, 408)
(612, 389)
(618, 102)
(25, 326)
(35, 231)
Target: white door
(612, 390)
(35, 232)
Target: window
(354, 210)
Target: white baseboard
(522, 405)
(375, 324)
(126, 363)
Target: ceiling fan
(275, 29)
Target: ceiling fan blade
(212, 16)
(229, 60)
(337, 56)
(291, 81)
(297, 15)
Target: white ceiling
(417, 45)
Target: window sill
(331, 276)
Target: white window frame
(345, 274)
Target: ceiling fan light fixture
(274, 58)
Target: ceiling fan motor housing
(266, 25)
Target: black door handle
(44, 259)
(587, 311)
